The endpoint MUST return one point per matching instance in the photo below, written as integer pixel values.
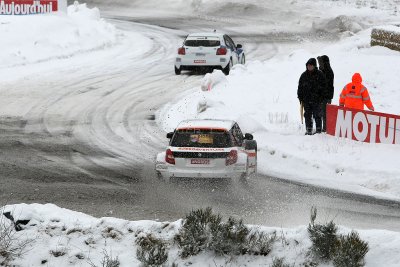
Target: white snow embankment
(211, 80)
(62, 237)
(262, 97)
(39, 38)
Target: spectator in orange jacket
(355, 95)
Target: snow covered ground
(66, 238)
(262, 97)
(41, 38)
(266, 93)
(263, 16)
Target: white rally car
(215, 50)
(208, 149)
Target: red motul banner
(27, 7)
(364, 126)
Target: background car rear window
(205, 43)
(201, 138)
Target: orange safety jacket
(355, 94)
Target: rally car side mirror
(248, 136)
(169, 135)
(238, 46)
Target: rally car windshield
(201, 138)
(205, 43)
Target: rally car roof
(206, 124)
(204, 34)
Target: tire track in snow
(89, 145)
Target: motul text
(364, 126)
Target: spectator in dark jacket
(325, 67)
(310, 92)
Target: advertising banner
(363, 126)
(28, 7)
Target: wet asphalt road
(90, 145)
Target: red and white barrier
(364, 126)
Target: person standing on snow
(310, 93)
(355, 95)
(325, 67)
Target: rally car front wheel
(246, 176)
(243, 60)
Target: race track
(83, 135)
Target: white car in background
(213, 50)
(208, 149)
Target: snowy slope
(82, 238)
(261, 16)
(66, 238)
(262, 97)
(245, 7)
(40, 38)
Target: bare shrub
(12, 245)
(111, 232)
(195, 234)
(107, 261)
(74, 230)
(260, 243)
(58, 252)
(151, 250)
(351, 251)
(229, 238)
(279, 262)
(345, 250)
(202, 230)
(323, 237)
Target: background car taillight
(221, 51)
(181, 51)
(231, 158)
(169, 157)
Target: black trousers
(323, 112)
(312, 110)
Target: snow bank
(212, 79)
(38, 38)
(263, 16)
(262, 97)
(249, 7)
(82, 238)
(340, 24)
(389, 28)
(63, 237)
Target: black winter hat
(312, 61)
(325, 59)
